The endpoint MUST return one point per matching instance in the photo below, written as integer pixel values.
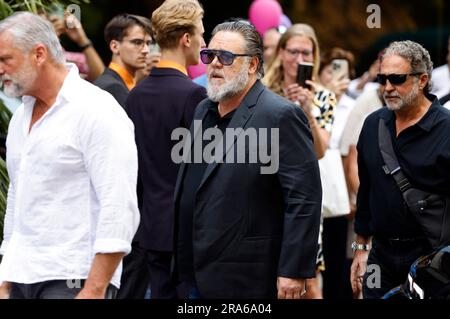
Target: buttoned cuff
(110, 246)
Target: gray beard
(13, 90)
(229, 89)
(405, 101)
(20, 82)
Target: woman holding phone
(299, 45)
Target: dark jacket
(250, 228)
(111, 82)
(162, 102)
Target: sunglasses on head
(394, 79)
(225, 57)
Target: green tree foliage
(5, 116)
(8, 7)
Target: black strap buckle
(404, 185)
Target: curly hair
(418, 57)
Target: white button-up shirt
(73, 186)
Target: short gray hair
(417, 55)
(29, 30)
(253, 40)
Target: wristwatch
(356, 246)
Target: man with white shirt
(72, 161)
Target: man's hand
(357, 271)
(74, 30)
(5, 290)
(289, 288)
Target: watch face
(356, 246)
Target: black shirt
(193, 176)
(423, 152)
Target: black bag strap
(391, 165)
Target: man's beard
(230, 88)
(21, 81)
(402, 101)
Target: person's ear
(186, 40)
(254, 63)
(40, 54)
(114, 46)
(423, 80)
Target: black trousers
(135, 274)
(143, 268)
(393, 260)
(54, 289)
(336, 277)
(161, 281)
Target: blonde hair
(275, 72)
(173, 19)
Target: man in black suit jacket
(128, 37)
(246, 229)
(162, 102)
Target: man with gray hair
(242, 233)
(389, 238)
(72, 162)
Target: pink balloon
(265, 14)
(196, 70)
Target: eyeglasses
(139, 43)
(225, 57)
(394, 79)
(296, 53)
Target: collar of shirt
(124, 74)
(431, 117)
(172, 65)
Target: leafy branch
(8, 7)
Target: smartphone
(304, 73)
(339, 69)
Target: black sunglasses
(394, 79)
(225, 57)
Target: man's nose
(389, 87)
(216, 63)
(145, 49)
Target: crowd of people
(97, 198)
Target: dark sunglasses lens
(226, 58)
(394, 79)
(397, 79)
(381, 78)
(207, 56)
